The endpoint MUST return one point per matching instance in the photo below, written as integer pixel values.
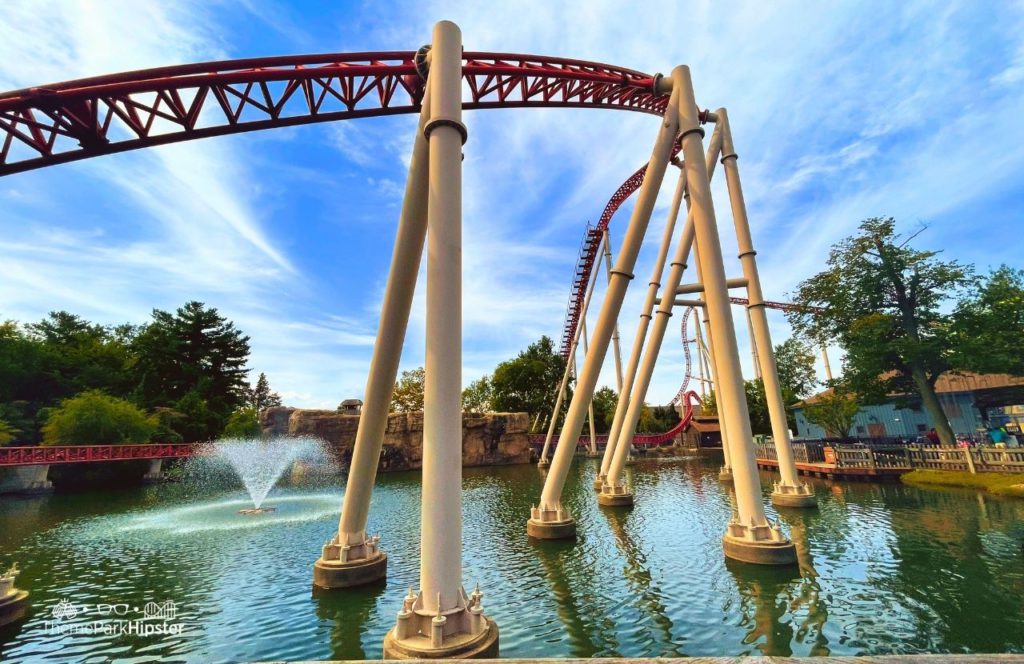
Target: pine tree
(260, 397)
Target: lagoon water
(883, 569)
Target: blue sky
(840, 111)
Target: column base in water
(13, 606)
(598, 482)
(550, 524)
(591, 454)
(615, 496)
(759, 545)
(788, 495)
(339, 567)
(630, 461)
(725, 474)
(543, 463)
(463, 632)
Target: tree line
(181, 377)
(526, 384)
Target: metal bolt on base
(725, 475)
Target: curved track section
(64, 122)
(691, 399)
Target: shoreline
(998, 484)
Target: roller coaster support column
(550, 520)
(749, 536)
(590, 412)
(442, 621)
(614, 492)
(626, 385)
(351, 558)
(828, 367)
(790, 491)
(725, 473)
(616, 348)
(544, 460)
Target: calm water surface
(883, 569)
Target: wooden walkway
(833, 471)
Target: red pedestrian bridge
(37, 456)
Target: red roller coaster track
(62, 122)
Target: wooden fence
(980, 459)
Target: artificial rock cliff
(487, 440)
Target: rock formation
(487, 440)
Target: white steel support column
(569, 370)
(753, 346)
(550, 520)
(828, 367)
(590, 411)
(442, 621)
(614, 492)
(749, 536)
(616, 348)
(626, 384)
(351, 558)
(725, 473)
(790, 491)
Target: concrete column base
(592, 454)
(630, 461)
(598, 483)
(13, 607)
(764, 552)
(615, 499)
(725, 475)
(457, 646)
(543, 463)
(334, 574)
(786, 495)
(551, 530)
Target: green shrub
(95, 418)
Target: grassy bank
(997, 483)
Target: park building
(974, 404)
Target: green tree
(408, 394)
(757, 406)
(881, 302)
(96, 418)
(261, 396)
(7, 432)
(833, 410)
(193, 360)
(477, 397)
(527, 382)
(794, 361)
(243, 423)
(605, 401)
(988, 325)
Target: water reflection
(347, 613)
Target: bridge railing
(30, 456)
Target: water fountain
(261, 463)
